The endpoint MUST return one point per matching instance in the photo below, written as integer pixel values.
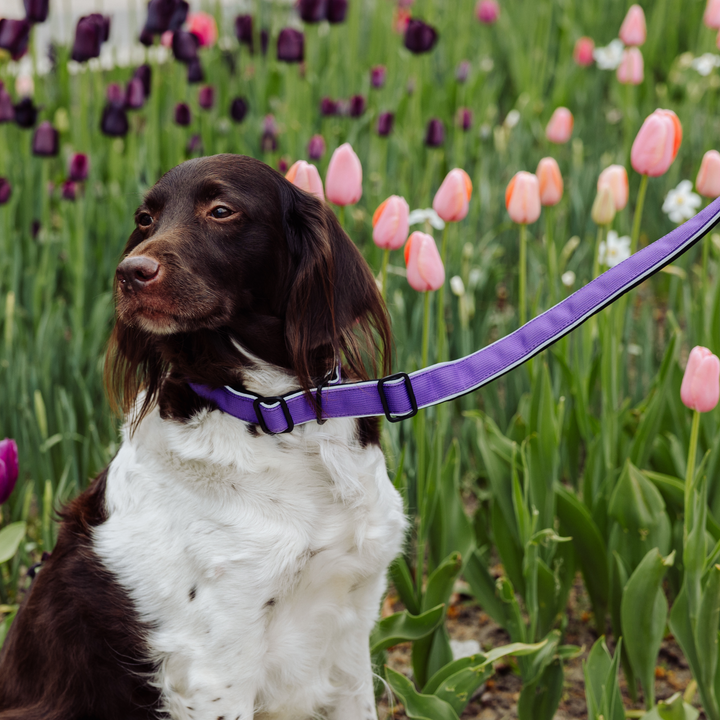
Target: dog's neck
(263, 378)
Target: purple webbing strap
(445, 381)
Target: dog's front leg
(354, 679)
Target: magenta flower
(79, 167)
(385, 124)
(487, 11)
(206, 97)
(377, 76)
(8, 468)
(316, 147)
(5, 190)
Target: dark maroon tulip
(146, 37)
(377, 76)
(357, 105)
(435, 135)
(264, 41)
(26, 113)
(244, 30)
(283, 165)
(5, 190)
(134, 94)
(46, 140)
(206, 97)
(7, 112)
(179, 15)
(182, 114)
(114, 121)
(35, 228)
(79, 167)
(385, 124)
(195, 73)
(316, 147)
(90, 32)
(184, 46)
(144, 74)
(328, 107)
(15, 36)
(337, 10)
(419, 36)
(462, 71)
(464, 118)
(291, 45)
(194, 145)
(69, 190)
(312, 11)
(115, 94)
(165, 15)
(36, 11)
(238, 109)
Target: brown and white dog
(212, 571)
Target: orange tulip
(615, 177)
(390, 223)
(711, 18)
(633, 30)
(425, 270)
(631, 68)
(560, 127)
(657, 143)
(452, 200)
(522, 198)
(343, 182)
(550, 182)
(307, 178)
(708, 179)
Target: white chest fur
(258, 563)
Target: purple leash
(401, 395)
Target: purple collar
(399, 396)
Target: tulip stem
(638, 214)
(383, 274)
(552, 258)
(705, 290)
(523, 273)
(442, 332)
(596, 260)
(690, 471)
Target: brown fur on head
(277, 275)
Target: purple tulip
(46, 140)
(79, 167)
(385, 124)
(115, 94)
(90, 32)
(291, 45)
(179, 15)
(5, 190)
(462, 71)
(419, 36)
(435, 135)
(146, 38)
(15, 36)
(134, 94)
(316, 147)
(206, 97)
(69, 190)
(194, 145)
(8, 468)
(238, 109)
(244, 30)
(337, 10)
(114, 121)
(36, 11)
(377, 76)
(183, 116)
(7, 113)
(184, 46)
(268, 142)
(25, 113)
(328, 107)
(357, 105)
(195, 72)
(312, 11)
(464, 118)
(165, 15)
(283, 165)
(144, 74)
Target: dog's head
(226, 252)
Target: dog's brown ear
(334, 306)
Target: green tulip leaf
(10, 538)
(418, 706)
(403, 627)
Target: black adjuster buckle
(408, 389)
(258, 401)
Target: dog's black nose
(134, 273)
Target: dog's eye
(220, 212)
(144, 220)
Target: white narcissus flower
(428, 214)
(568, 278)
(614, 250)
(608, 58)
(705, 63)
(681, 203)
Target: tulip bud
(283, 165)
(291, 45)
(244, 30)
(385, 124)
(203, 27)
(15, 37)
(25, 113)
(487, 11)
(316, 147)
(377, 76)
(357, 105)
(91, 31)
(457, 286)
(5, 190)
(115, 94)
(560, 127)
(425, 270)
(79, 167)
(134, 94)
(45, 141)
(194, 145)
(184, 46)
(711, 18)
(708, 179)
(615, 177)
(268, 141)
(183, 117)
(343, 182)
(633, 30)
(390, 223)
(114, 121)
(452, 199)
(312, 11)
(8, 468)
(328, 107)
(522, 198)
(631, 70)
(7, 112)
(603, 209)
(195, 72)
(144, 74)
(69, 190)
(238, 109)
(550, 181)
(464, 118)
(36, 11)
(462, 71)
(583, 52)
(419, 36)
(337, 10)
(306, 177)
(206, 97)
(656, 144)
(435, 134)
(700, 389)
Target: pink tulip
(204, 27)
(390, 223)
(700, 389)
(633, 31)
(711, 18)
(307, 178)
(708, 179)
(657, 143)
(487, 11)
(452, 200)
(8, 468)
(583, 52)
(522, 198)
(560, 127)
(343, 182)
(615, 177)
(550, 182)
(425, 270)
(631, 68)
